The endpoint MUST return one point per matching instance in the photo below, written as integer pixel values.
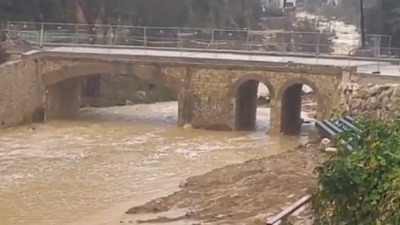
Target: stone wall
(20, 93)
(63, 100)
(371, 100)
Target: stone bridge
(218, 94)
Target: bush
(362, 186)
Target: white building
(278, 3)
(333, 2)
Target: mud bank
(245, 193)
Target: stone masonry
(212, 94)
(21, 93)
(379, 101)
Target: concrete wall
(20, 93)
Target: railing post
(75, 35)
(248, 40)
(144, 36)
(110, 39)
(178, 36)
(41, 35)
(284, 45)
(8, 26)
(318, 41)
(212, 38)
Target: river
(89, 171)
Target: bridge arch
(290, 98)
(63, 84)
(244, 92)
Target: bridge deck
(363, 66)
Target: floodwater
(91, 170)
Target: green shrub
(362, 186)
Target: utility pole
(362, 24)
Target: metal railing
(283, 217)
(331, 128)
(314, 43)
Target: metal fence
(318, 43)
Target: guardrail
(329, 128)
(316, 43)
(283, 217)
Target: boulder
(325, 143)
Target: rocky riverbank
(245, 193)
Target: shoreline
(243, 193)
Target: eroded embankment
(241, 194)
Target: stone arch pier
(290, 97)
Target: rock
(324, 144)
(140, 94)
(360, 94)
(128, 102)
(356, 103)
(379, 113)
(391, 106)
(372, 103)
(363, 102)
(325, 141)
(187, 126)
(384, 102)
(389, 92)
(182, 184)
(396, 92)
(331, 150)
(373, 91)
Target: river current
(90, 170)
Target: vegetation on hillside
(205, 13)
(362, 186)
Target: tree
(172, 13)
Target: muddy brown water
(91, 170)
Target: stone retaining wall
(371, 100)
(20, 93)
